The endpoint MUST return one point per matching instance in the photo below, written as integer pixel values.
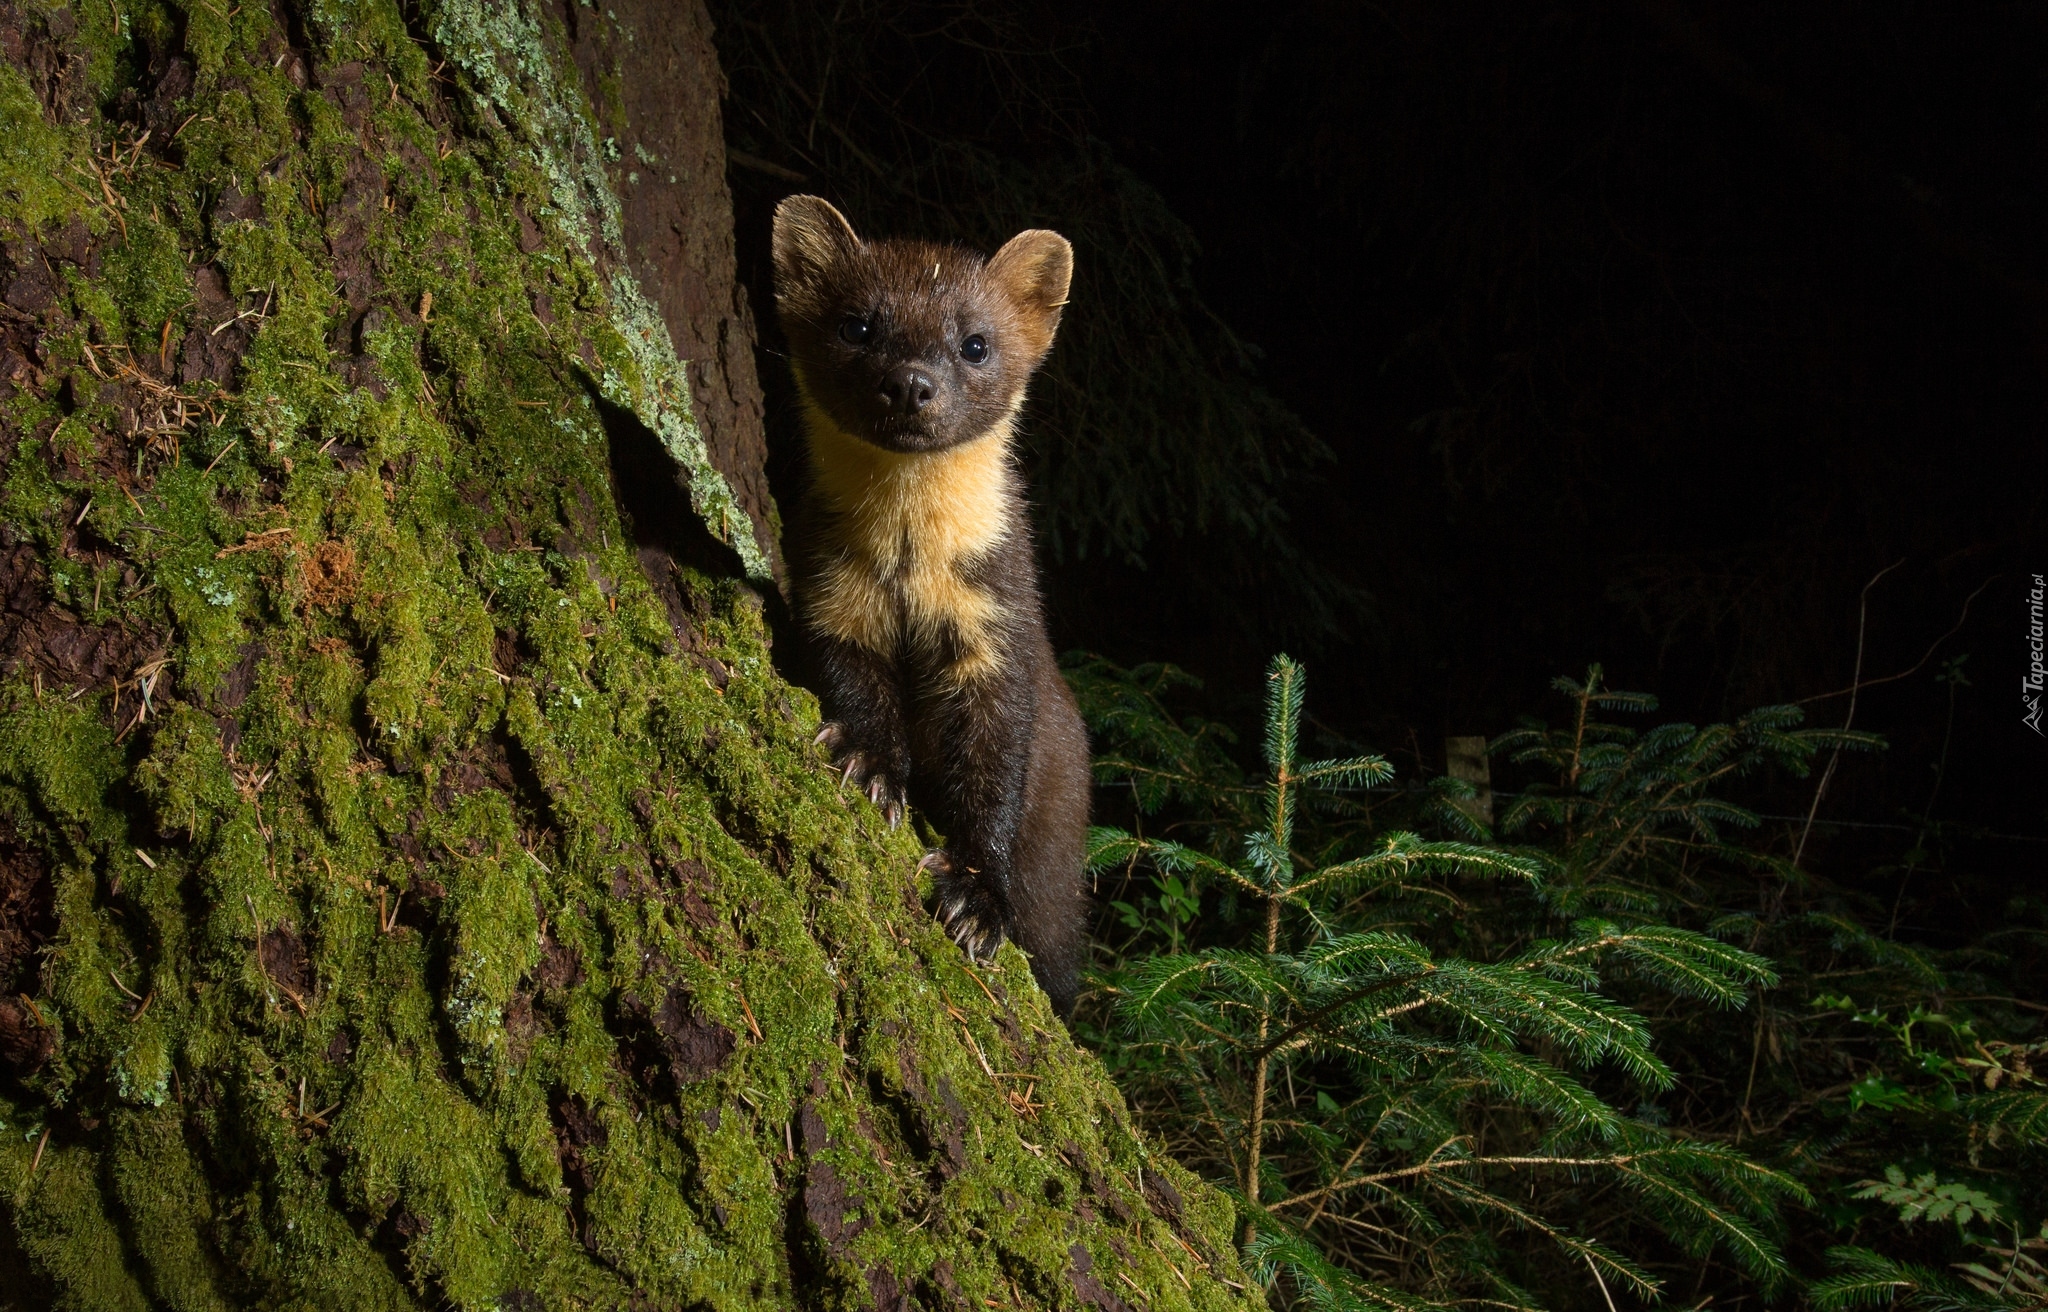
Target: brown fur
(918, 584)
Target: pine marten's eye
(854, 330)
(975, 349)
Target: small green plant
(1926, 1196)
(1381, 1104)
(1893, 1082)
(1926, 1081)
(1997, 1277)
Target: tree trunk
(417, 887)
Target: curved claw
(829, 734)
(893, 813)
(968, 930)
(978, 943)
(852, 764)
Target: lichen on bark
(412, 891)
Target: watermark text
(2030, 687)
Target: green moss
(63, 1223)
(510, 60)
(368, 934)
(55, 751)
(145, 280)
(37, 159)
(168, 1206)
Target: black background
(1641, 334)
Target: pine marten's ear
(1035, 267)
(810, 237)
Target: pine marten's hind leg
(867, 737)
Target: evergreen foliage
(1425, 1065)
(1366, 1092)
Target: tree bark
(417, 886)
(659, 91)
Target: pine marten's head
(908, 345)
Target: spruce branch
(1333, 978)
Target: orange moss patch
(331, 575)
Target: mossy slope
(438, 909)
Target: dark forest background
(1628, 333)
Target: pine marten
(915, 573)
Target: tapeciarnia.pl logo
(2030, 687)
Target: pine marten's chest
(903, 533)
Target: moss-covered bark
(414, 890)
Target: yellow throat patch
(910, 525)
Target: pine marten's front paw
(881, 775)
(969, 906)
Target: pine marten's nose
(907, 389)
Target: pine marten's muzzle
(905, 390)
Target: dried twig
(1855, 687)
(1935, 646)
